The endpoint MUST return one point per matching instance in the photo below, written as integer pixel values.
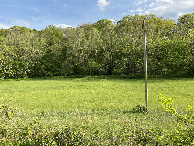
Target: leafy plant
(139, 109)
(6, 111)
(184, 133)
(35, 131)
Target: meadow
(99, 107)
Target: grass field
(101, 103)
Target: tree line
(100, 48)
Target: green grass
(102, 103)
(92, 93)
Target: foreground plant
(184, 133)
(15, 131)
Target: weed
(6, 111)
(139, 109)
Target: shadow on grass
(99, 78)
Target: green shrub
(184, 132)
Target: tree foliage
(101, 48)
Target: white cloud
(139, 2)
(132, 11)
(19, 22)
(138, 10)
(35, 9)
(4, 26)
(152, 4)
(170, 8)
(114, 21)
(165, 1)
(64, 5)
(62, 25)
(102, 4)
(9, 22)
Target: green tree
(53, 57)
(108, 47)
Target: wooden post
(145, 65)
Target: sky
(38, 14)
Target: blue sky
(37, 14)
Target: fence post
(145, 65)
